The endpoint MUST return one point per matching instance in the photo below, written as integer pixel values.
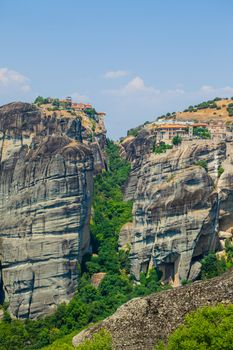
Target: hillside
(210, 112)
(141, 323)
(219, 110)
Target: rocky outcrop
(178, 202)
(46, 182)
(141, 323)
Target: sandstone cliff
(179, 206)
(143, 322)
(46, 178)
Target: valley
(87, 224)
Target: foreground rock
(46, 182)
(143, 322)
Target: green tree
(220, 171)
(41, 100)
(161, 148)
(201, 132)
(56, 103)
(212, 266)
(177, 140)
(209, 328)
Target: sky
(133, 59)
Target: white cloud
(134, 86)
(177, 91)
(138, 89)
(12, 79)
(116, 74)
(76, 96)
(209, 89)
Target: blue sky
(133, 59)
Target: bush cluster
(161, 148)
(230, 109)
(209, 328)
(213, 266)
(201, 132)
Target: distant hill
(207, 111)
(219, 109)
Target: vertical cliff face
(46, 181)
(177, 206)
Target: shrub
(201, 132)
(203, 164)
(162, 148)
(229, 252)
(177, 140)
(209, 328)
(41, 100)
(208, 104)
(100, 341)
(91, 112)
(185, 282)
(212, 266)
(56, 103)
(230, 109)
(220, 171)
(133, 132)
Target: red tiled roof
(200, 124)
(172, 126)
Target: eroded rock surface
(46, 183)
(143, 322)
(179, 205)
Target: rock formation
(46, 178)
(141, 323)
(180, 204)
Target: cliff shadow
(2, 293)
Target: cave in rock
(168, 271)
